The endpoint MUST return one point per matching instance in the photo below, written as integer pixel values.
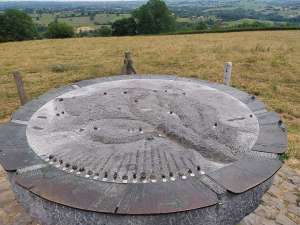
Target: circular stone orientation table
(142, 150)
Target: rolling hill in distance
(225, 10)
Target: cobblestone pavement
(279, 206)
(11, 213)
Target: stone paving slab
(279, 206)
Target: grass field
(249, 21)
(79, 21)
(266, 64)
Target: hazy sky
(65, 0)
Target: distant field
(266, 64)
(78, 21)
(237, 22)
(85, 21)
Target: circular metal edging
(85, 192)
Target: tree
(252, 24)
(104, 31)
(92, 16)
(16, 25)
(201, 26)
(154, 17)
(126, 26)
(59, 30)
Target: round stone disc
(142, 130)
(146, 149)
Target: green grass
(249, 21)
(251, 5)
(45, 19)
(79, 21)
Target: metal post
(227, 73)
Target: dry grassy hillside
(266, 64)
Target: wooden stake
(128, 65)
(20, 87)
(227, 73)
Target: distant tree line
(240, 13)
(16, 25)
(234, 14)
(154, 17)
(74, 6)
(59, 30)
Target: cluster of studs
(60, 100)
(142, 177)
(105, 93)
(126, 92)
(135, 178)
